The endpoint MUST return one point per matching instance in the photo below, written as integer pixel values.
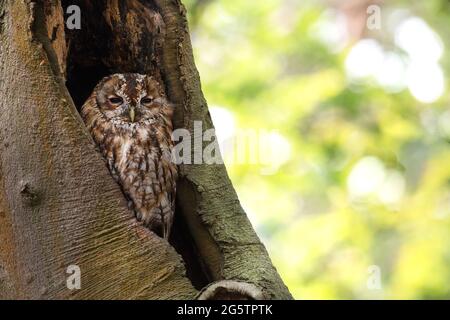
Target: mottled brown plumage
(131, 122)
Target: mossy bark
(59, 205)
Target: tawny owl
(130, 120)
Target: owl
(130, 120)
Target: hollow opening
(108, 42)
(184, 244)
(81, 80)
(89, 57)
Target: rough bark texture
(58, 204)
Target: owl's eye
(146, 100)
(116, 100)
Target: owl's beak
(132, 114)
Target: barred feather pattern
(130, 120)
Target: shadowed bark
(59, 205)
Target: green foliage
(266, 63)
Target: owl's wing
(168, 200)
(167, 211)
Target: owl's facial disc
(130, 98)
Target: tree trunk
(60, 207)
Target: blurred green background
(347, 175)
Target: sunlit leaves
(368, 178)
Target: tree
(60, 208)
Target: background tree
(58, 204)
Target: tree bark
(59, 206)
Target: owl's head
(129, 98)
